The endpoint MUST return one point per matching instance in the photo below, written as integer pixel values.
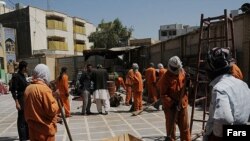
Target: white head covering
(42, 72)
(135, 66)
(160, 66)
(174, 62)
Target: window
(164, 33)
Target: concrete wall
(4, 9)
(38, 29)
(186, 46)
(50, 62)
(89, 29)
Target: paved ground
(148, 126)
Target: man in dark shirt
(85, 87)
(18, 85)
(101, 94)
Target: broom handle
(64, 120)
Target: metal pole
(64, 120)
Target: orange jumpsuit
(170, 86)
(129, 83)
(40, 112)
(63, 87)
(120, 82)
(161, 72)
(150, 75)
(137, 90)
(236, 72)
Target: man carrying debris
(230, 96)
(174, 101)
(40, 107)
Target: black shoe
(167, 139)
(106, 113)
(100, 112)
(89, 113)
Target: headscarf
(160, 66)
(135, 66)
(174, 65)
(41, 72)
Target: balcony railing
(79, 29)
(55, 24)
(80, 47)
(57, 45)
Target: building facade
(173, 30)
(49, 33)
(54, 33)
(39, 33)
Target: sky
(144, 16)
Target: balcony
(79, 29)
(55, 24)
(80, 47)
(57, 45)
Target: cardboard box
(124, 137)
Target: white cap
(174, 64)
(135, 66)
(160, 65)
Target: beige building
(49, 33)
(40, 33)
(54, 33)
(3, 8)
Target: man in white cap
(40, 106)
(137, 87)
(162, 70)
(171, 85)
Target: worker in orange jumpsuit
(162, 70)
(41, 108)
(150, 76)
(63, 87)
(129, 83)
(137, 87)
(171, 85)
(119, 82)
(235, 70)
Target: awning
(108, 53)
(127, 48)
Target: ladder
(214, 32)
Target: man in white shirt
(230, 96)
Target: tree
(110, 34)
